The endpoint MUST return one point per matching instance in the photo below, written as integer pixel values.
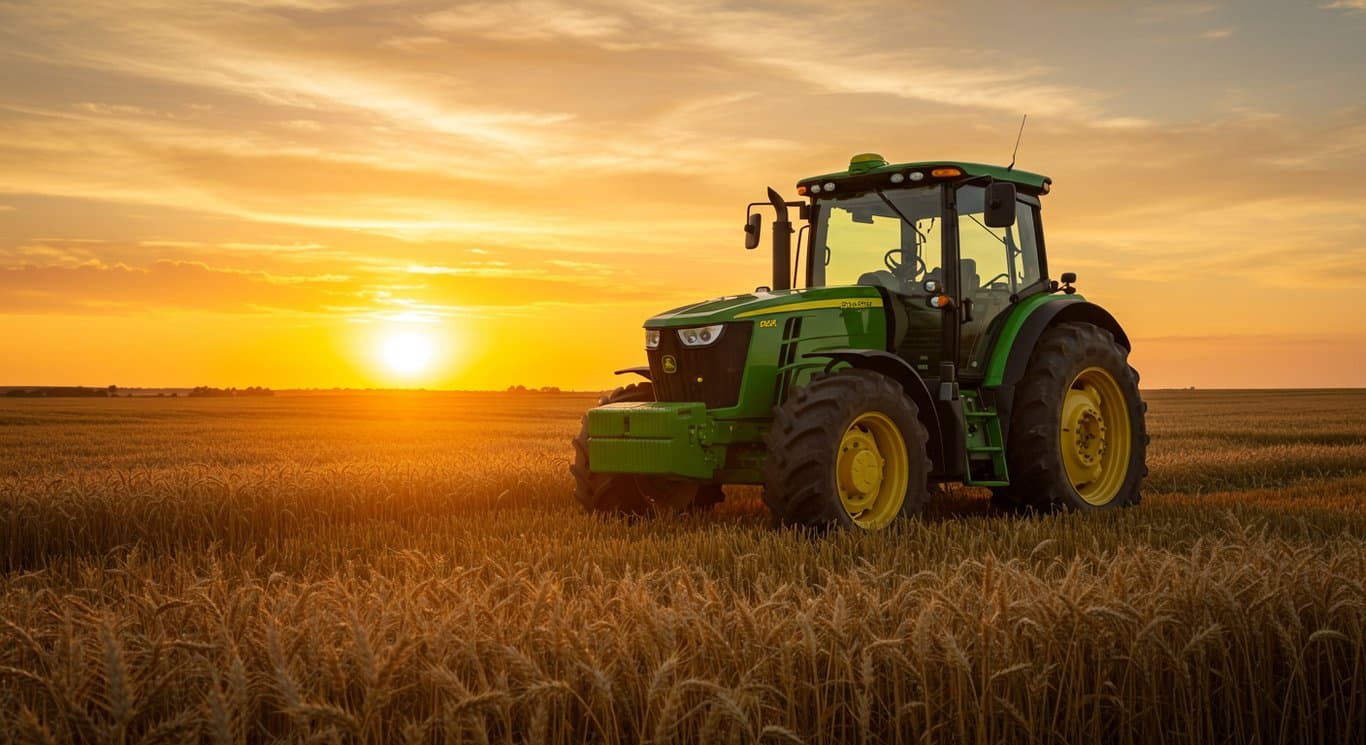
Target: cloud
(93, 287)
(1172, 12)
(528, 20)
(66, 276)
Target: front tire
(1077, 439)
(634, 494)
(848, 450)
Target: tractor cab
(897, 228)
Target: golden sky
(262, 193)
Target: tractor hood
(760, 304)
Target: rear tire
(847, 450)
(634, 494)
(1077, 438)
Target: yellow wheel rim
(872, 470)
(1095, 436)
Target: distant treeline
(542, 389)
(80, 391)
(205, 391)
(63, 391)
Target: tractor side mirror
(1000, 205)
(752, 230)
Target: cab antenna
(1017, 143)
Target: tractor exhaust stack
(782, 243)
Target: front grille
(707, 374)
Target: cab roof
(868, 170)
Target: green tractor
(914, 338)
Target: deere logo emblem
(670, 364)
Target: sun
(407, 352)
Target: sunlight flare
(407, 352)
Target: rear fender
(1021, 346)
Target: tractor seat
(884, 279)
(968, 277)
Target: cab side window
(994, 264)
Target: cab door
(996, 266)
(919, 328)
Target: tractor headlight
(701, 337)
(652, 338)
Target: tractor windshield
(881, 238)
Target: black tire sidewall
(1063, 353)
(829, 405)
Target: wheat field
(411, 568)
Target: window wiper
(900, 214)
(1002, 241)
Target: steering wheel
(892, 260)
(991, 281)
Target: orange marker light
(946, 172)
(801, 190)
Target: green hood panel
(785, 326)
(763, 304)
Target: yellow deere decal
(670, 364)
(771, 323)
(845, 303)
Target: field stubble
(410, 568)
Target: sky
(258, 192)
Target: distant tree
(204, 391)
(550, 389)
(516, 389)
(113, 391)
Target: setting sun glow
(407, 352)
